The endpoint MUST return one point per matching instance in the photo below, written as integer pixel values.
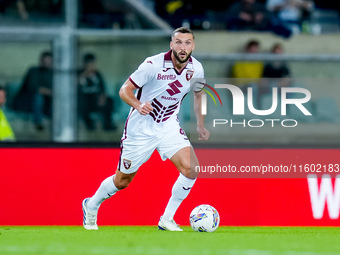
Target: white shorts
(136, 150)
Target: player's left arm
(202, 131)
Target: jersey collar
(168, 62)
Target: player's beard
(182, 60)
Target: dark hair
(89, 57)
(2, 88)
(45, 54)
(275, 46)
(252, 43)
(183, 30)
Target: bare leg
(185, 160)
(108, 188)
(122, 180)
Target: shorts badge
(127, 163)
(189, 74)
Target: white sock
(180, 191)
(105, 191)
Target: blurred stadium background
(44, 185)
(48, 170)
(121, 33)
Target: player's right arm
(126, 93)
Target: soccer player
(161, 82)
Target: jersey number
(174, 88)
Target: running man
(161, 82)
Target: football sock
(105, 191)
(180, 191)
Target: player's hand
(145, 108)
(203, 133)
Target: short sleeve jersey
(159, 83)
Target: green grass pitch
(149, 240)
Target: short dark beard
(179, 59)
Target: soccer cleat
(169, 225)
(89, 217)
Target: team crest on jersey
(189, 74)
(127, 163)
